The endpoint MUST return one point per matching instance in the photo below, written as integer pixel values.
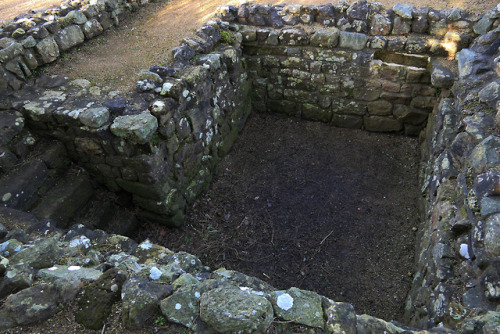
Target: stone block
(401, 26)
(69, 37)
(380, 25)
(315, 113)
(353, 40)
(410, 115)
(380, 108)
(48, 49)
(92, 28)
(327, 38)
(347, 121)
(137, 128)
(382, 124)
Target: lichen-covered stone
(140, 300)
(327, 38)
(340, 317)
(48, 49)
(230, 310)
(69, 37)
(485, 155)
(94, 117)
(300, 306)
(137, 128)
(353, 40)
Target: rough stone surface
(303, 307)
(138, 128)
(230, 310)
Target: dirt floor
(303, 204)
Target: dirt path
(116, 57)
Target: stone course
(351, 65)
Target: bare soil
(303, 204)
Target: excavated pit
(304, 204)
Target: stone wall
(161, 146)
(357, 66)
(360, 67)
(457, 262)
(33, 40)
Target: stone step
(19, 188)
(62, 202)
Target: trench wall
(352, 65)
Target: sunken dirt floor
(304, 204)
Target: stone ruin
(420, 72)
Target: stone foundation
(359, 66)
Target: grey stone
(353, 40)
(28, 42)
(492, 235)
(379, 107)
(182, 307)
(19, 189)
(483, 25)
(140, 299)
(147, 75)
(327, 38)
(340, 317)
(367, 324)
(16, 278)
(299, 306)
(63, 200)
(232, 309)
(19, 32)
(74, 17)
(490, 93)
(97, 299)
(401, 26)
(11, 51)
(94, 117)
(443, 75)
(43, 254)
(92, 28)
(37, 303)
(358, 10)
(467, 61)
(490, 205)
(485, 154)
(48, 49)
(404, 10)
(69, 37)
(380, 25)
(137, 128)
(76, 274)
(490, 281)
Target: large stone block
(327, 38)
(48, 49)
(353, 40)
(137, 128)
(69, 37)
(382, 124)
